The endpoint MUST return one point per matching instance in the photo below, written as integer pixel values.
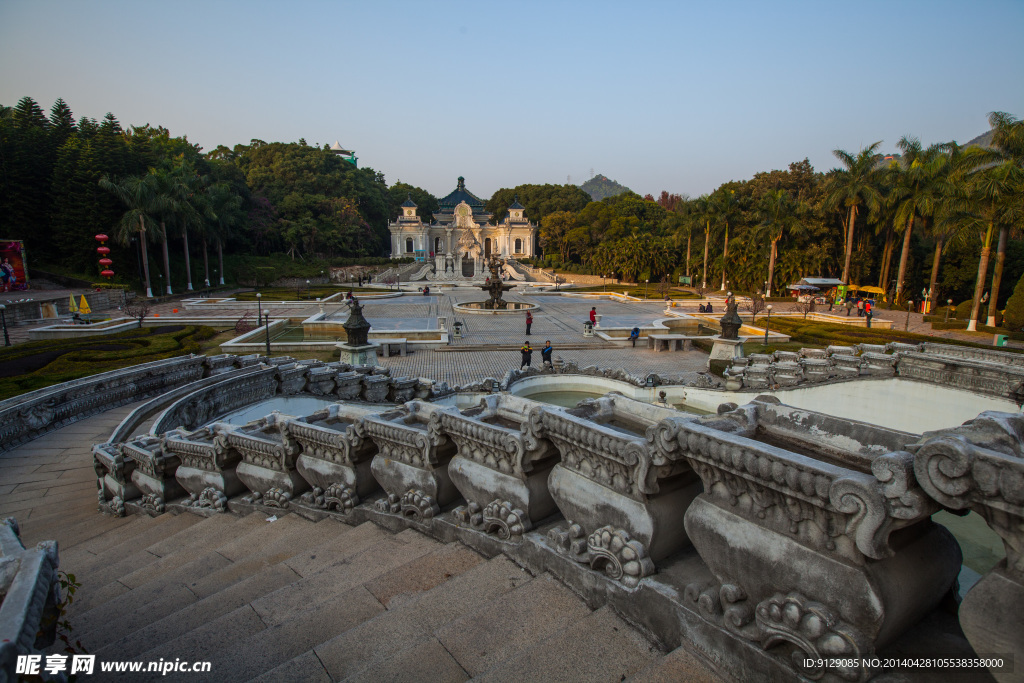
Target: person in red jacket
(593, 315)
(529, 321)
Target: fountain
(495, 288)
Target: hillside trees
(539, 200)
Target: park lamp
(259, 308)
(910, 306)
(767, 324)
(949, 307)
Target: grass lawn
(652, 292)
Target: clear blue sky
(657, 95)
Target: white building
(461, 238)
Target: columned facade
(462, 237)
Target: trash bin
(1000, 340)
(588, 329)
(457, 328)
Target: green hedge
(77, 358)
(1013, 315)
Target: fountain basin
(511, 307)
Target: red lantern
(103, 250)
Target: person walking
(860, 308)
(545, 355)
(593, 316)
(849, 307)
(529, 322)
(527, 352)
(867, 312)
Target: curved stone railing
(30, 595)
(980, 467)
(774, 534)
(30, 415)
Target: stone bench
(667, 342)
(384, 345)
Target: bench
(667, 342)
(384, 345)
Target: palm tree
(851, 187)
(1008, 141)
(726, 209)
(917, 191)
(225, 214)
(987, 198)
(777, 212)
(702, 208)
(142, 197)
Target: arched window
(408, 245)
(487, 247)
(437, 245)
(519, 246)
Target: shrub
(1013, 315)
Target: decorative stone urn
(412, 460)
(336, 455)
(501, 468)
(268, 461)
(818, 535)
(606, 456)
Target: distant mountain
(600, 187)
(983, 140)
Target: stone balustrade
(30, 598)
(774, 534)
(980, 466)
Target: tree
(539, 200)
(725, 209)
(426, 203)
(144, 201)
(916, 194)
(137, 308)
(851, 187)
(986, 200)
(777, 212)
(1008, 141)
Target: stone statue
(731, 321)
(356, 326)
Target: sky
(678, 96)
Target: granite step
(115, 542)
(131, 554)
(69, 529)
(413, 618)
(600, 648)
(199, 613)
(682, 664)
(135, 609)
(273, 545)
(184, 566)
(511, 624)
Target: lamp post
(645, 288)
(3, 317)
(767, 323)
(949, 307)
(259, 308)
(308, 289)
(267, 328)
(910, 305)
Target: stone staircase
(288, 599)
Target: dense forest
(599, 187)
(941, 220)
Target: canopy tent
(803, 288)
(821, 282)
(869, 290)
